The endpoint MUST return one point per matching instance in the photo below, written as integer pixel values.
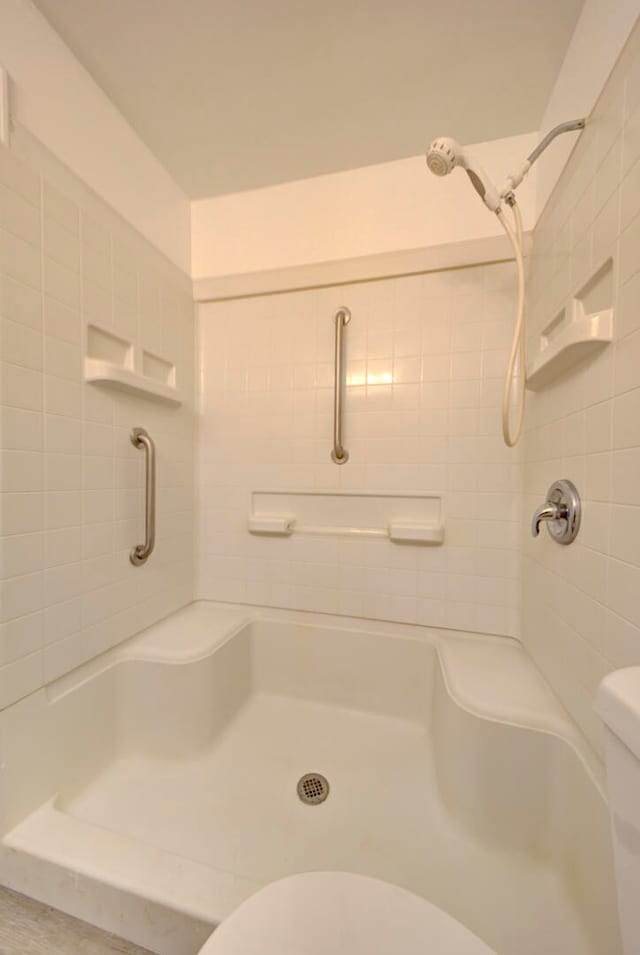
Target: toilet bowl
(330, 913)
(618, 704)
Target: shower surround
(318, 633)
(586, 426)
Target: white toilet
(619, 707)
(339, 913)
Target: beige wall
(55, 98)
(375, 210)
(598, 39)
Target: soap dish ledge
(123, 379)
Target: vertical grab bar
(140, 553)
(339, 454)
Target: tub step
(165, 903)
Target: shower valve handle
(547, 512)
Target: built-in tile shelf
(115, 362)
(401, 518)
(125, 380)
(580, 330)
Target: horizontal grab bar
(400, 532)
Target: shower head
(444, 154)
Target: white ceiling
(237, 94)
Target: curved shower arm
(568, 127)
(516, 178)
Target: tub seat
(330, 913)
(128, 785)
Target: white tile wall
(581, 604)
(70, 479)
(425, 359)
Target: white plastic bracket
(408, 533)
(272, 524)
(4, 107)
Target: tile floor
(30, 928)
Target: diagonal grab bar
(339, 454)
(139, 554)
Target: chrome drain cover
(313, 788)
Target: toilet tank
(618, 705)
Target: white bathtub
(154, 788)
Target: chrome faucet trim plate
(561, 512)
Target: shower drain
(313, 788)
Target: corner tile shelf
(581, 338)
(123, 379)
(581, 329)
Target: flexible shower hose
(517, 356)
